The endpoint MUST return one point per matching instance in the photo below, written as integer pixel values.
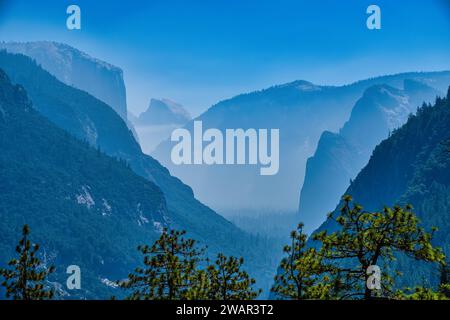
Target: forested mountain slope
(84, 207)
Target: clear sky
(198, 52)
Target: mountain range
(63, 116)
(302, 111)
(339, 157)
(93, 121)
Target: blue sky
(198, 52)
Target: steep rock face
(328, 172)
(412, 166)
(164, 112)
(340, 156)
(68, 193)
(75, 68)
(157, 123)
(301, 111)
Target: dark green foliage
(227, 281)
(173, 271)
(338, 267)
(25, 276)
(420, 293)
(366, 239)
(301, 271)
(170, 268)
(444, 280)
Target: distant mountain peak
(307, 86)
(174, 107)
(302, 85)
(164, 111)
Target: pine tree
(227, 281)
(302, 271)
(447, 145)
(427, 293)
(25, 280)
(420, 293)
(170, 271)
(366, 239)
(200, 286)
